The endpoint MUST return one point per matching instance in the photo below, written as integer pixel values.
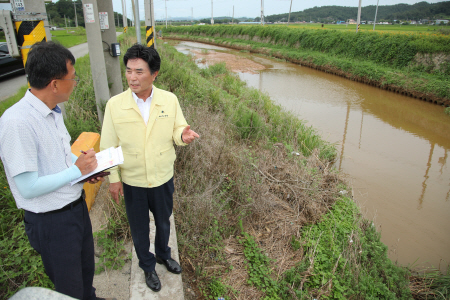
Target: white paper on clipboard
(106, 159)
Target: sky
(242, 8)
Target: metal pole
(289, 18)
(149, 24)
(262, 12)
(124, 14)
(137, 22)
(232, 19)
(165, 1)
(108, 37)
(376, 11)
(359, 16)
(212, 16)
(96, 56)
(76, 19)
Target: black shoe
(171, 265)
(152, 281)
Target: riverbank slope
(416, 65)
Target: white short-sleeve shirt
(33, 138)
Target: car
(9, 65)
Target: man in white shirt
(39, 165)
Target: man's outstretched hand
(188, 135)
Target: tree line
(63, 12)
(327, 14)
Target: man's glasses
(77, 79)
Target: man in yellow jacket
(145, 121)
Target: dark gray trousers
(64, 241)
(138, 202)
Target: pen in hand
(83, 152)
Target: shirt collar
(136, 98)
(39, 105)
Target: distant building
(340, 22)
(438, 22)
(351, 21)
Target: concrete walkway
(172, 285)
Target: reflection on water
(393, 148)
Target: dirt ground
(234, 63)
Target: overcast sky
(242, 8)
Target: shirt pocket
(166, 158)
(164, 126)
(128, 126)
(133, 159)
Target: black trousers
(64, 241)
(138, 202)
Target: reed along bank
(415, 64)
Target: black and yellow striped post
(150, 37)
(28, 34)
(125, 29)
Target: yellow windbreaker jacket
(148, 151)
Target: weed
(110, 257)
(447, 111)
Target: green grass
(71, 37)
(8, 102)
(368, 27)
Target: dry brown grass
(221, 177)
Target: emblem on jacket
(162, 115)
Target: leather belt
(70, 205)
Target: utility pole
(65, 21)
(149, 23)
(76, 19)
(289, 18)
(133, 13)
(192, 15)
(232, 19)
(212, 15)
(96, 57)
(109, 40)
(262, 12)
(124, 15)
(376, 11)
(359, 16)
(165, 1)
(137, 21)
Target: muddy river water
(394, 149)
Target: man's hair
(47, 61)
(148, 54)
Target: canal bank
(407, 70)
(393, 148)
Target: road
(10, 86)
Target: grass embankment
(259, 212)
(414, 64)
(70, 37)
